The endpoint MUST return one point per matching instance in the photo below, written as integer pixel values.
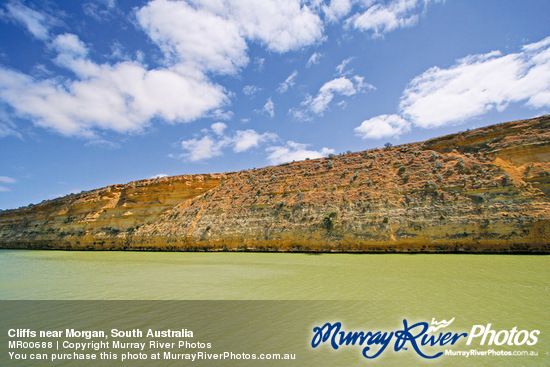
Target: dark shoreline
(537, 253)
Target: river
(292, 292)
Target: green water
(363, 291)
(464, 280)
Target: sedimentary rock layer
(485, 190)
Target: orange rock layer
(480, 191)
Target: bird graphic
(439, 325)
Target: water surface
(267, 276)
(367, 290)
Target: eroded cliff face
(485, 190)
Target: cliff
(485, 190)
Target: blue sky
(94, 93)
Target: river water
(269, 293)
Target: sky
(94, 93)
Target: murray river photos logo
(421, 337)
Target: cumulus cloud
(247, 139)
(280, 25)
(213, 35)
(342, 85)
(72, 55)
(380, 18)
(339, 86)
(198, 39)
(203, 148)
(208, 146)
(288, 83)
(194, 36)
(36, 23)
(293, 151)
(122, 97)
(382, 126)
(337, 9)
(218, 128)
(471, 87)
(269, 108)
(69, 44)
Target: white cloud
(477, 84)
(250, 90)
(269, 107)
(336, 9)
(7, 127)
(100, 10)
(35, 22)
(203, 148)
(220, 114)
(218, 128)
(197, 38)
(206, 147)
(259, 62)
(194, 36)
(382, 18)
(340, 69)
(313, 59)
(280, 25)
(69, 44)
(473, 86)
(382, 126)
(72, 54)
(213, 35)
(103, 143)
(7, 130)
(122, 97)
(288, 83)
(338, 86)
(246, 139)
(299, 114)
(293, 151)
(8, 180)
(119, 53)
